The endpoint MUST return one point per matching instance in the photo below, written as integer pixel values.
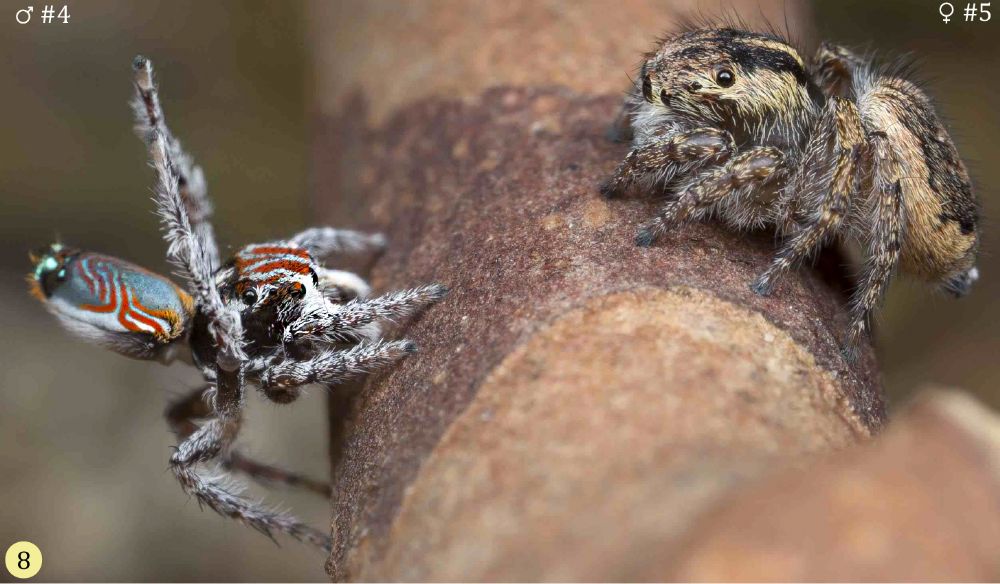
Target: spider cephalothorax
(747, 84)
(734, 124)
(273, 316)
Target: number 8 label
(23, 559)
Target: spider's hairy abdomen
(941, 236)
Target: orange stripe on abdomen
(112, 298)
(78, 266)
(124, 311)
(166, 315)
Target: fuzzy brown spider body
(733, 124)
(941, 236)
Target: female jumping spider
(733, 125)
(272, 316)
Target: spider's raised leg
(215, 438)
(190, 178)
(181, 415)
(753, 167)
(187, 246)
(324, 241)
(355, 320)
(662, 160)
(886, 238)
(824, 194)
(834, 68)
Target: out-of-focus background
(83, 447)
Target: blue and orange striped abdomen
(95, 294)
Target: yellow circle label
(23, 559)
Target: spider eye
(249, 296)
(725, 78)
(647, 88)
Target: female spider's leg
(333, 367)
(884, 247)
(834, 68)
(620, 129)
(324, 241)
(667, 157)
(831, 202)
(182, 413)
(355, 320)
(215, 437)
(752, 167)
(150, 120)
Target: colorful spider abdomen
(109, 300)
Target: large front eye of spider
(725, 77)
(249, 296)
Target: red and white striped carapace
(112, 302)
(272, 285)
(274, 265)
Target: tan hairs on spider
(734, 124)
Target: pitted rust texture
(496, 197)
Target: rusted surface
(554, 318)
(569, 457)
(923, 504)
(497, 200)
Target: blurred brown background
(83, 447)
